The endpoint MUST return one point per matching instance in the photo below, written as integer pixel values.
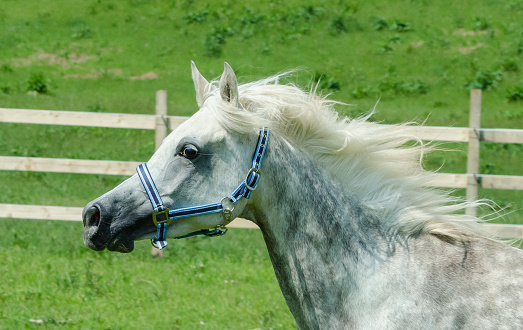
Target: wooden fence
(162, 124)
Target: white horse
(355, 239)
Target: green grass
(418, 58)
(49, 275)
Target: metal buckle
(161, 217)
(257, 171)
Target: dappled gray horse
(355, 239)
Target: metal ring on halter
(257, 171)
(218, 231)
(155, 244)
(227, 210)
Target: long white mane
(378, 164)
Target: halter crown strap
(162, 216)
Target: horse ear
(200, 84)
(229, 86)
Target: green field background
(419, 59)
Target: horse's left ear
(229, 86)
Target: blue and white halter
(162, 216)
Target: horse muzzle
(101, 231)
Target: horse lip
(93, 238)
(99, 239)
(94, 246)
(121, 245)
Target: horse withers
(356, 240)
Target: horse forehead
(202, 125)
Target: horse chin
(121, 245)
(94, 246)
(118, 244)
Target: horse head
(199, 164)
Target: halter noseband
(162, 216)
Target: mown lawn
(50, 279)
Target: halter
(162, 216)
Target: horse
(355, 238)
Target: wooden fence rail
(134, 121)
(112, 167)
(162, 123)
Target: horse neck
(318, 236)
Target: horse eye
(189, 152)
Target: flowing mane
(379, 164)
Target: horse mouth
(119, 242)
(100, 235)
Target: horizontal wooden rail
(90, 119)
(67, 213)
(501, 135)
(504, 230)
(140, 121)
(489, 181)
(61, 165)
(43, 212)
(509, 182)
(40, 212)
(461, 134)
(435, 133)
(111, 167)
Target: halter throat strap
(162, 216)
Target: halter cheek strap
(162, 216)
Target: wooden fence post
(160, 134)
(161, 118)
(473, 152)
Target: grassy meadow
(418, 58)
(50, 281)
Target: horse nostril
(92, 217)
